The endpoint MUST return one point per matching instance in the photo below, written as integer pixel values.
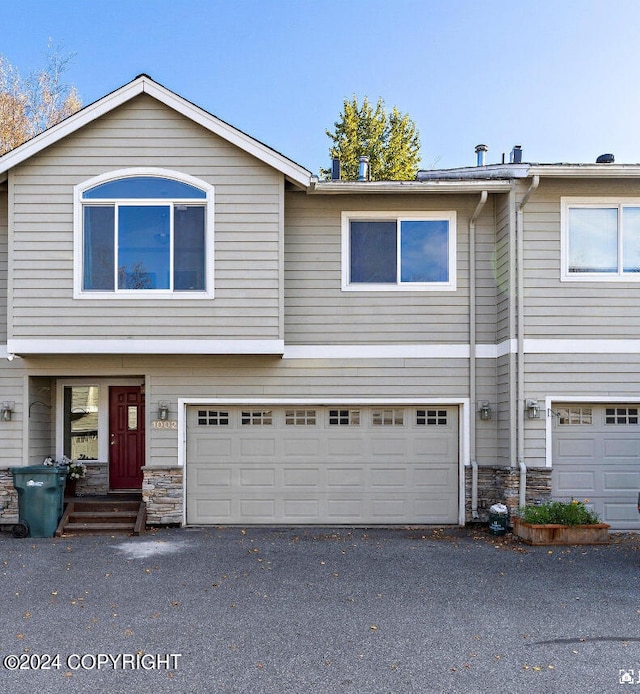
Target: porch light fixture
(163, 410)
(484, 409)
(6, 410)
(533, 409)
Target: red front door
(126, 437)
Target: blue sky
(558, 77)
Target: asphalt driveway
(318, 610)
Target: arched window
(144, 232)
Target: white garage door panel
(567, 482)
(316, 473)
(596, 456)
(621, 481)
(620, 511)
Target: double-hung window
(388, 251)
(144, 233)
(600, 239)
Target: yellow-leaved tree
(29, 105)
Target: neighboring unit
(202, 320)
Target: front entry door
(126, 437)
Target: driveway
(324, 610)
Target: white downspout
(472, 352)
(520, 301)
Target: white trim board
(364, 351)
(106, 346)
(460, 351)
(586, 346)
(391, 351)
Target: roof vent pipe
(605, 159)
(481, 150)
(335, 169)
(363, 168)
(516, 154)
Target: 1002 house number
(164, 424)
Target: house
(201, 319)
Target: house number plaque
(164, 424)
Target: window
(431, 418)
(385, 251)
(387, 418)
(575, 416)
(601, 240)
(81, 411)
(621, 415)
(144, 232)
(300, 417)
(257, 418)
(213, 418)
(344, 418)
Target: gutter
(463, 185)
(472, 352)
(520, 322)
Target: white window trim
(570, 202)
(78, 242)
(448, 216)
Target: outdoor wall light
(484, 409)
(533, 409)
(6, 409)
(163, 410)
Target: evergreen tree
(390, 140)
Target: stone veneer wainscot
(163, 494)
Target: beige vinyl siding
(504, 367)
(572, 310)
(12, 433)
(41, 420)
(486, 430)
(259, 377)
(4, 234)
(501, 264)
(144, 133)
(585, 375)
(228, 377)
(485, 273)
(318, 312)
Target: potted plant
(560, 523)
(76, 470)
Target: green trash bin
(498, 519)
(40, 499)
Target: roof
(143, 84)
(503, 172)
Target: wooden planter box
(597, 534)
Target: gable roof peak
(143, 83)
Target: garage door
(323, 465)
(596, 456)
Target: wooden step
(103, 516)
(98, 527)
(107, 516)
(105, 506)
